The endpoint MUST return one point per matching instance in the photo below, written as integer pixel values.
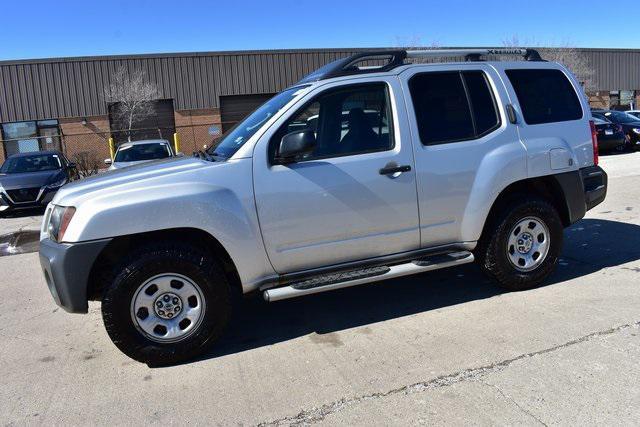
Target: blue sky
(40, 29)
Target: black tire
(491, 252)
(161, 258)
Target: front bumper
(6, 204)
(66, 268)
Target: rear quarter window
(545, 96)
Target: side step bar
(329, 282)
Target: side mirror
(108, 162)
(294, 145)
(72, 165)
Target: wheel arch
(102, 269)
(563, 191)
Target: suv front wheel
(520, 248)
(168, 303)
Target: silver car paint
(456, 187)
(182, 192)
(322, 212)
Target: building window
(622, 99)
(24, 137)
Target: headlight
(59, 222)
(636, 131)
(58, 183)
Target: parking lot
(444, 347)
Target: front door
(336, 205)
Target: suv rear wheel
(168, 303)
(520, 248)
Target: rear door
(335, 205)
(465, 150)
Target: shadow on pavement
(590, 245)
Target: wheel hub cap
(167, 308)
(528, 244)
(168, 305)
(525, 242)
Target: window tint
(35, 163)
(346, 121)
(444, 102)
(140, 152)
(483, 105)
(441, 106)
(545, 96)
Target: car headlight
(636, 131)
(58, 183)
(59, 222)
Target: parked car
(630, 125)
(30, 180)
(611, 136)
(485, 161)
(133, 153)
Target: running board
(329, 282)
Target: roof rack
(475, 54)
(395, 58)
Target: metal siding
(72, 87)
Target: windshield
(239, 134)
(141, 152)
(620, 117)
(35, 163)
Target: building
(59, 104)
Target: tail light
(594, 141)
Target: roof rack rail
(475, 54)
(395, 58)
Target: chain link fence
(90, 149)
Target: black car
(30, 180)
(630, 125)
(611, 136)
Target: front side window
(453, 106)
(348, 120)
(545, 96)
(35, 163)
(142, 152)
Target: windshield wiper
(204, 156)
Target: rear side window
(545, 96)
(453, 106)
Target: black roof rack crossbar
(395, 58)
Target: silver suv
(356, 174)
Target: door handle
(390, 170)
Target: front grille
(24, 195)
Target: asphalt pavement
(446, 347)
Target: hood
(129, 178)
(13, 181)
(120, 165)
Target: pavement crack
(513, 401)
(318, 414)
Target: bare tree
(87, 163)
(132, 96)
(565, 54)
